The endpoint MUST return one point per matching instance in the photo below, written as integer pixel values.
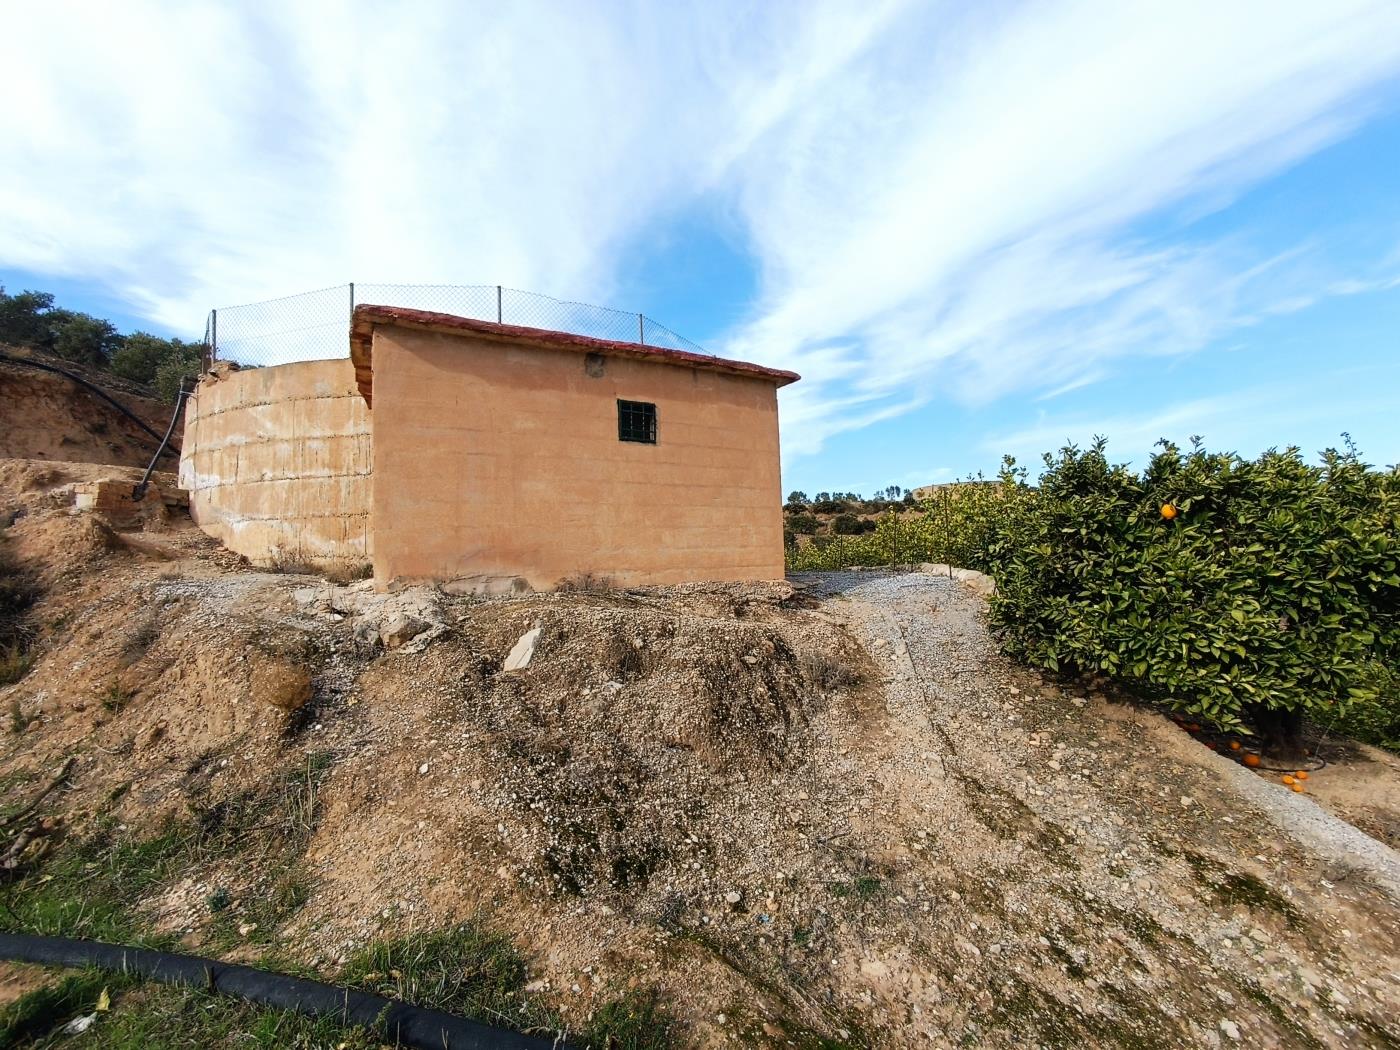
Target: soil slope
(48, 416)
(830, 816)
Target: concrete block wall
(278, 462)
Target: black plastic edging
(94, 389)
(407, 1025)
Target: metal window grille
(636, 421)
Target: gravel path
(1170, 888)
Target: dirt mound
(50, 417)
(619, 746)
(841, 821)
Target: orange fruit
(1296, 786)
(1234, 745)
(1288, 780)
(1168, 511)
(1251, 760)
(1302, 774)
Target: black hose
(398, 1022)
(91, 388)
(139, 492)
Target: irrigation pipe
(400, 1023)
(93, 389)
(139, 492)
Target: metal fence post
(214, 329)
(641, 330)
(498, 305)
(352, 297)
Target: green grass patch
(91, 887)
(464, 970)
(145, 1016)
(471, 971)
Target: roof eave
(368, 316)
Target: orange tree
(1244, 592)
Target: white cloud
(195, 155)
(942, 200)
(970, 223)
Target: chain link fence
(315, 326)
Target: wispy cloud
(959, 213)
(1247, 420)
(942, 200)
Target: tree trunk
(1280, 733)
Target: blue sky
(974, 229)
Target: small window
(636, 421)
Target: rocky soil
(818, 814)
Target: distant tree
(140, 355)
(31, 319)
(23, 318)
(909, 499)
(806, 524)
(823, 497)
(146, 358)
(82, 338)
(796, 498)
(183, 361)
(850, 525)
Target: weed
(92, 887)
(284, 561)
(867, 887)
(19, 721)
(115, 698)
(586, 583)
(345, 570)
(636, 1021)
(144, 635)
(152, 1017)
(37, 1013)
(828, 672)
(465, 970)
(118, 792)
(218, 901)
(15, 662)
(89, 888)
(473, 972)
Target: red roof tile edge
(368, 315)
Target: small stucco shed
(493, 457)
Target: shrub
(850, 525)
(1235, 590)
(806, 524)
(1268, 590)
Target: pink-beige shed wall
(498, 466)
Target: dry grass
(829, 672)
(586, 583)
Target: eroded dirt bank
(836, 814)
